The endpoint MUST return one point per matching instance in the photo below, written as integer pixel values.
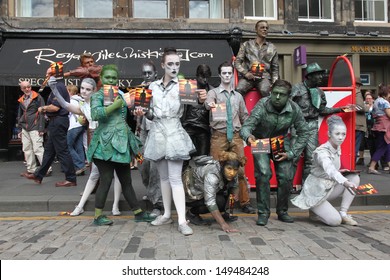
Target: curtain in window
(25, 8)
(216, 8)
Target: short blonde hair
(72, 89)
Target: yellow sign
(370, 49)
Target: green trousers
(312, 144)
(263, 173)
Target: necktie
(315, 97)
(229, 121)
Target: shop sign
(370, 49)
(300, 55)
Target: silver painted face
(171, 65)
(337, 135)
(148, 73)
(86, 90)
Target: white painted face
(226, 74)
(86, 90)
(337, 135)
(171, 65)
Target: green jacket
(113, 139)
(300, 94)
(266, 122)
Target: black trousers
(199, 207)
(106, 170)
(201, 141)
(56, 144)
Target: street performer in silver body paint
(257, 61)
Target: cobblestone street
(75, 238)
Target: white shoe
(155, 213)
(348, 220)
(185, 229)
(161, 220)
(145, 198)
(77, 211)
(116, 212)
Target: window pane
(249, 12)
(269, 8)
(260, 8)
(326, 10)
(315, 9)
(206, 8)
(150, 8)
(199, 9)
(370, 10)
(34, 8)
(379, 11)
(94, 9)
(303, 8)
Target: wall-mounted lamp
(286, 32)
(324, 33)
(373, 33)
(350, 33)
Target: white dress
(167, 138)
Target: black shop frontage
(28, 59)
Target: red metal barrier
(340, 92)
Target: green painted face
(279, 97)
(109, 77)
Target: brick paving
(75, 238)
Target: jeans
(359, 135)
(76, 147)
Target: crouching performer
(326, 182)
(209, 187)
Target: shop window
(371, 10)
(261, 9)
(206, 8)
(151, 8)
(34, 8)
(94, 9)
(315, 10)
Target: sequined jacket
(205, 181)
(300, 94)
(251, 52)
(113, 139)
